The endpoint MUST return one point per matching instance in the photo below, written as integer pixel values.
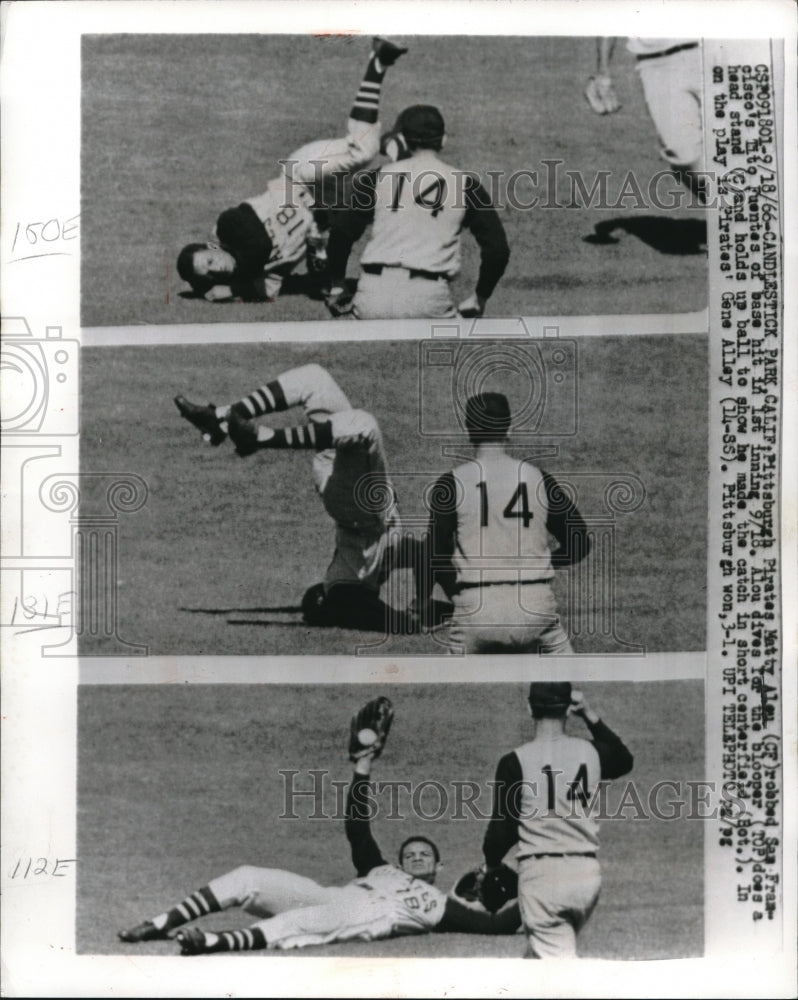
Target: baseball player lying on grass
(264, 239)
(384, 900)
(350, 475)
(417, 206)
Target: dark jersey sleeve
(459, 917)
(365, 852)
(348, 217)
(242, 233)
(614, 756)
(502, 832)
(441, 533)
(566, 524)
(486, 226)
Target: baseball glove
(600, 95)
(316, 252)
(492, 889)
(374, 719)
(339, 302)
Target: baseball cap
(550, 694)
(420, 123)
(488, 414)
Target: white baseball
(366, 737)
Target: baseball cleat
(387, 52)
(243, 434)
(203, 418)
(146, 931)
(192, 941)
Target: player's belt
(667, 52)
(414, 272)
(553, 855)
(499, 583)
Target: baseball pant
(351, 478)
(397, 294)
(299, 912)
(351, 913)
(264, 892)
(353, 483)
(315, 390)
(317, 160)
(507, 618)
(672, 86)
(556, 896)
(357, 493)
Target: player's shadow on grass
(264, 622)
(287, 609)
(283, 609)
(439, 611)
(681, 237)
(307, 285)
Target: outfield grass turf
(178, 784)
(219, 557)
(176, 128)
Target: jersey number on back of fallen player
(285, 218)
(517, 506)
(430, 198)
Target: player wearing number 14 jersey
(542, 796)
(489, 549)
(418, 207)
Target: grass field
(219, 557)
(177, 784)
(176, 128)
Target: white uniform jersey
(419, 208)
(655, 46)
(560, 776)
(501, 513)
(416, 906)
(286, 211)
(286, 206)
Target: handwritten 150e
(41, 238)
